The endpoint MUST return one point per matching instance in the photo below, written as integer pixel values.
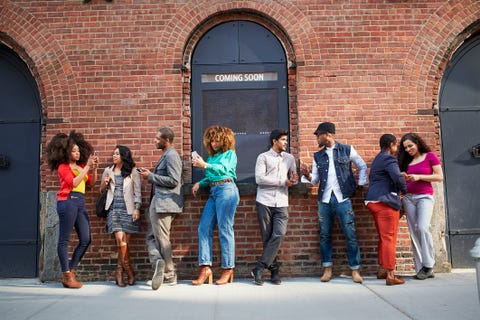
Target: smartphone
(95, 153)
(139, 170)
(195, 155)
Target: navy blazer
(385, 178)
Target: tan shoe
(356, 277)
(327, 274)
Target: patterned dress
(118, 219)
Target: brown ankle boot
(225, 277)
(126, 265)
(205, 273)
(327, 274)
(119, 271)
(69, 281)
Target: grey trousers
(273, 227)
(158, 240)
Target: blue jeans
(72, 214)
(346, 217)
(219, 209)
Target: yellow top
(81, 186)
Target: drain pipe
(475, 253)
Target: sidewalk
(447, 296)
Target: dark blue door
(460, 130)
(239, 80)
(20, 129)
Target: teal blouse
(222, 165)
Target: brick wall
(117, 71)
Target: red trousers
(386, 221)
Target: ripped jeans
(346, 218)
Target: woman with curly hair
(73, 158)
(420, 168)
(124, 200)
(220, 175)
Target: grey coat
(167, 181)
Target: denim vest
(343, 169)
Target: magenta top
(424, 167)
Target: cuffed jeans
(346, 217)
(158, 239)
(219, 210)
(72, 214)
(419, 211)
(273, 227)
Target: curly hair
(127, 161)
(59, 149)
(224, 135)
(404, 158)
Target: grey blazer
(167, 181)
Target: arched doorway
(460, 130)
(20, 129)
(239, 80)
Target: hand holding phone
(195, 155)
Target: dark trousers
(273, 227)
(72, 214)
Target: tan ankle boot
(225, 277)
(69, 281)
(356, 277)
(205, 273)
(327, 274)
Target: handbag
(100, 205)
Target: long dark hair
(404, 158)
(127, 161)
(59, 149)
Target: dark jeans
(346, 217)
(273, 227)
(72, 214)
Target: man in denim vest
(332, 169)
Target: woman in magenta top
(72, 157)
(420, 168)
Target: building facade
(118, 70)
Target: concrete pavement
(447, 296)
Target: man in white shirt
(332, 169)
(275, 172)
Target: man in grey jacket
(166, 202)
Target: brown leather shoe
(327, 274)
(356, 277)
(69, 281)
(394, 281)
(205, 273)
(225, 277)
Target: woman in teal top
(220, 175)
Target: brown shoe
(327, 274)
(356, 277)
(69, 281)
(205, 273)
(394, 281)
(125, 255)
(225, 277)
